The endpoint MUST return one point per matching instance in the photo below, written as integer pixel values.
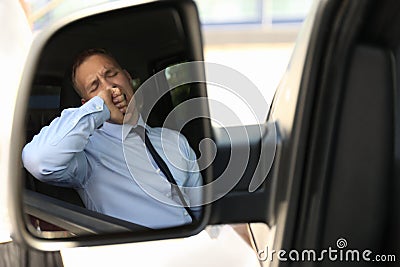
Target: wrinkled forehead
(95, 64)
(100, 60)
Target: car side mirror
(146, 39)
(159, 45)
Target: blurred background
(254, 37)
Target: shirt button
(186, 214)
(98, 107)
(168, 194)
(158, 171)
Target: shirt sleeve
(56, 155)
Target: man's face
(99, 72)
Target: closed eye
(94, 86)
(111, 73)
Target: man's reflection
(84, 149)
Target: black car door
(336, 110)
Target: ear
(83, 101)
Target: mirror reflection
(77, 156)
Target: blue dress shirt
(110, 167)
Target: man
(86, 148)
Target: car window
(262, 64)
(42, 13)
(255, 38)
(264, 12)
(226, 42)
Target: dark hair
(81, 57)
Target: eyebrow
(106, 69)
(109, 70)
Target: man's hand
(119, 100)
(115, 102)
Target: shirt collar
(121, 131)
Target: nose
(108, 84)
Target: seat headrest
(68, 97)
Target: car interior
(365, 169)
(143, 46)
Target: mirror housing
(153, 44)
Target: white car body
(15, 40)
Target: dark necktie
(140, 130)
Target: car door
(332, 189)
(337, 183)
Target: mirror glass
(100, 158)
